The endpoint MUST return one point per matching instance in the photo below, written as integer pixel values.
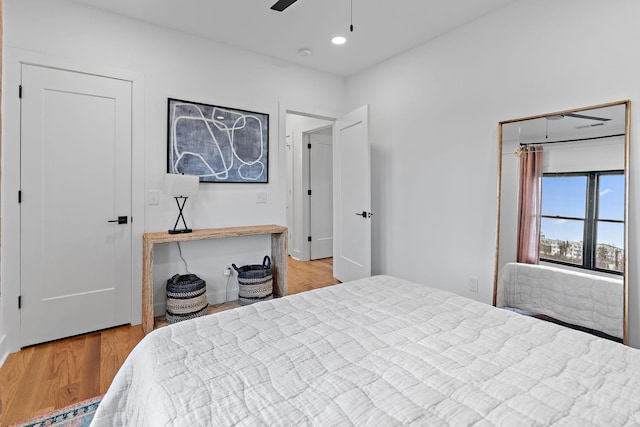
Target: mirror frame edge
(498, 212)
(625, 289)
(627, 141)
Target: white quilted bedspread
(587, 300)
(374, 352)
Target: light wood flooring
(46, 377)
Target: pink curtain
(529, 205)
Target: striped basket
(186, 297)
(255, 282)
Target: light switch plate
(153, 197)
(261, 197)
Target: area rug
(78, 415)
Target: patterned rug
(78, 415)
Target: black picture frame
(218, 144)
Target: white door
(321, 200)
(75, 178)
(352, 197)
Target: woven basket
(186, 297)
(255, 282)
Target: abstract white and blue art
(218, 144)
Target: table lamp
(181, 187)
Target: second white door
(321, 203)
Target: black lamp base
(180, 216)
(184, 230)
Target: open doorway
(309, 144)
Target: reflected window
(610, 222)
(582, 221)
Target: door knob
(364, 214)
(120, 220)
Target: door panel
(352, 189)
(321, 179)
(75, 177)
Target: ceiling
(382, 28)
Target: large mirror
(562, 212)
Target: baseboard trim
(4, 353)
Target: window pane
(610, 246)
(611, 197)
(564, 196)
(561, 240)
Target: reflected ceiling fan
(599, 121)
(577, 116)
(582, 116)
(281, 5)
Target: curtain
(529, 205)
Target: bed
(377, 351)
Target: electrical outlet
(227, 271)
(473, 284)
(261, 197)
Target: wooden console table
(278, 258)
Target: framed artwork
(218, 144)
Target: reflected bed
(380, 351)
(574, 299)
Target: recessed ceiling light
(338, 40)
(304, 52)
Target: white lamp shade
(181, 185)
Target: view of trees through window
(583, 219)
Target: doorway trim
(10, 209)
(305, 111)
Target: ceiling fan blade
(281, 5)
(592, 125)
(582, 116)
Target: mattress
(377, 351)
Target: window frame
(591, 220)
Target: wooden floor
(46, 377)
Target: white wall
(179, 66)
(434, 116)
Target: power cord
(226, 293)
(186, 267)
(226, 289)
